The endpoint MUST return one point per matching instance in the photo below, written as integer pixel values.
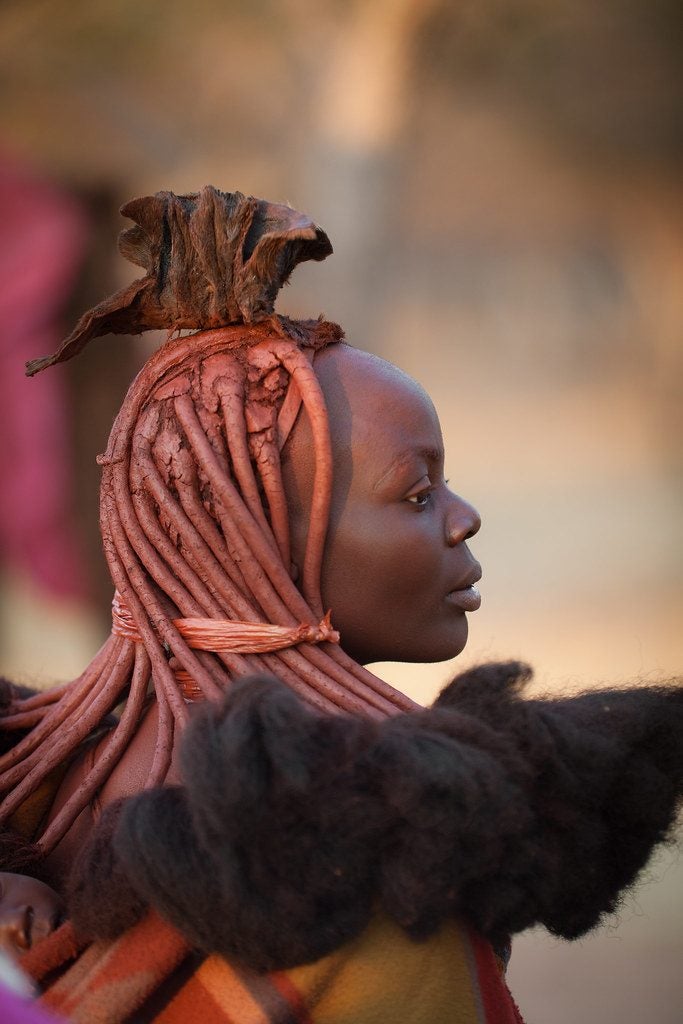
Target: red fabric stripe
(52, 952)
(499, 1006)
(290, 993)
(193, 1005)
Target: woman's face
(397, 573)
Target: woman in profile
(265, 830)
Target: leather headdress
(212, 259)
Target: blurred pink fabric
(43, 234)
(15, 1010)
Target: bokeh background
(501, 180)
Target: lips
(465, 595)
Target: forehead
(378, 414)
(15, 887)
(380, 419)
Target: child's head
(29, 911)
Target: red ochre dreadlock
(193, 512)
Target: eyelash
(427, 496)
(415, 501)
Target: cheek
(389, 558)
(384, 581)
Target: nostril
(15, 928)
(476, 524)
(464, 522)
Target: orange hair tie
(226, 635)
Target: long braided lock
(193, 513)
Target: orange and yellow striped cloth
(150, 974)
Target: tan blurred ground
(502, 184)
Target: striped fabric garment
(150, 974)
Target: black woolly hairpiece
(292, 828)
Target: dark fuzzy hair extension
(9, 693)
(16, 852)
(99, 881)
(19, 855)
(292, 828)
(604, 776)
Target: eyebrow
(429, 455)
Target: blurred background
(501, 181)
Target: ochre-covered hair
(193, 512)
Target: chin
(428, 651)
(450, 647)
(422, 641)
(443, 654)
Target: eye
(421, 499)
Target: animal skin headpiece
(212, 259)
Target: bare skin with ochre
(397, 573)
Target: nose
(462, 521)
(15, 929)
